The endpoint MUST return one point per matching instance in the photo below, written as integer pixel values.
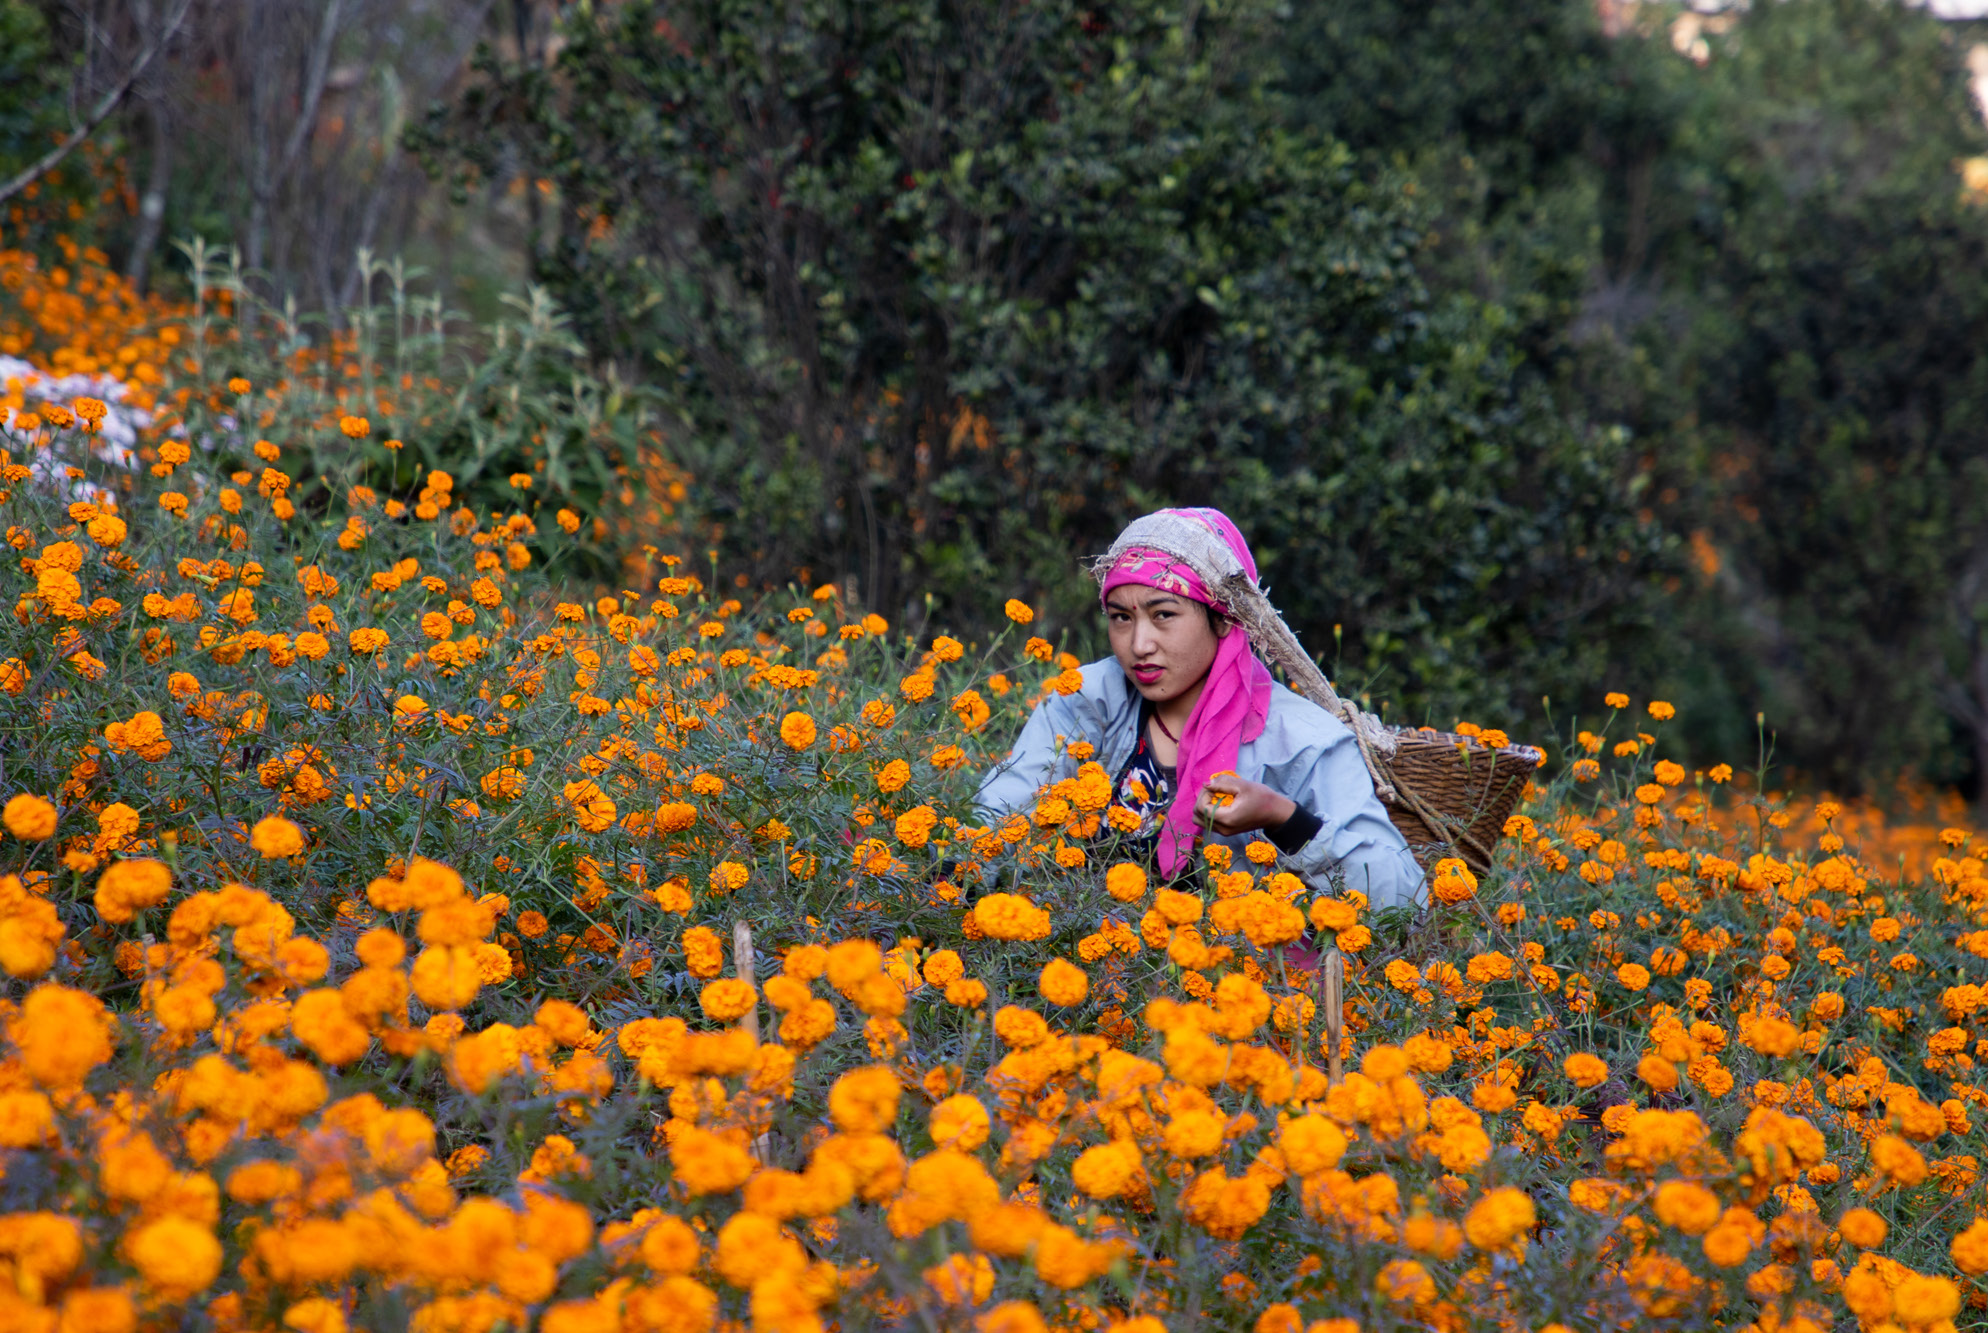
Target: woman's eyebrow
(1113, 603)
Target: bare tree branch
(108, 103)
(307, 118)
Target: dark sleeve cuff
(1296, 831)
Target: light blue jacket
(1304, 753)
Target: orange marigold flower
(727, 999)
(1499, 1219)
(1687, 1206)
(1453, 882)
(1063, 983)
(176, 1256)
(1969, 1248)
(29, 817)
(1585, 1070)
(1862, 1228)
(1125, 882)
(797, 730)
(276, 837)
(130, 887)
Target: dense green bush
(938, 296)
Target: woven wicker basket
(1465, 790)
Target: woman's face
(1162, 640)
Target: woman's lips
(1146, 675)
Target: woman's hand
(1253, 805)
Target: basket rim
(1449, 740)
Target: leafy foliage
(939, 295)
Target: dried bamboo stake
(742, 957)
(762, 1147)
(1332, 977)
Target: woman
(1183, 712)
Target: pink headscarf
(1235, 702)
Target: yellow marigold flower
(366, 642)
(1661, 711)
(727, 877)
(797, 730)
(29, 817)
(1615, 699)
(1018, 611)
(1063, 983)
(1633, 976)
(917, 687)
(1462, 1148)
(354, 428)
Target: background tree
(940, 294)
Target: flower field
(394, 943)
